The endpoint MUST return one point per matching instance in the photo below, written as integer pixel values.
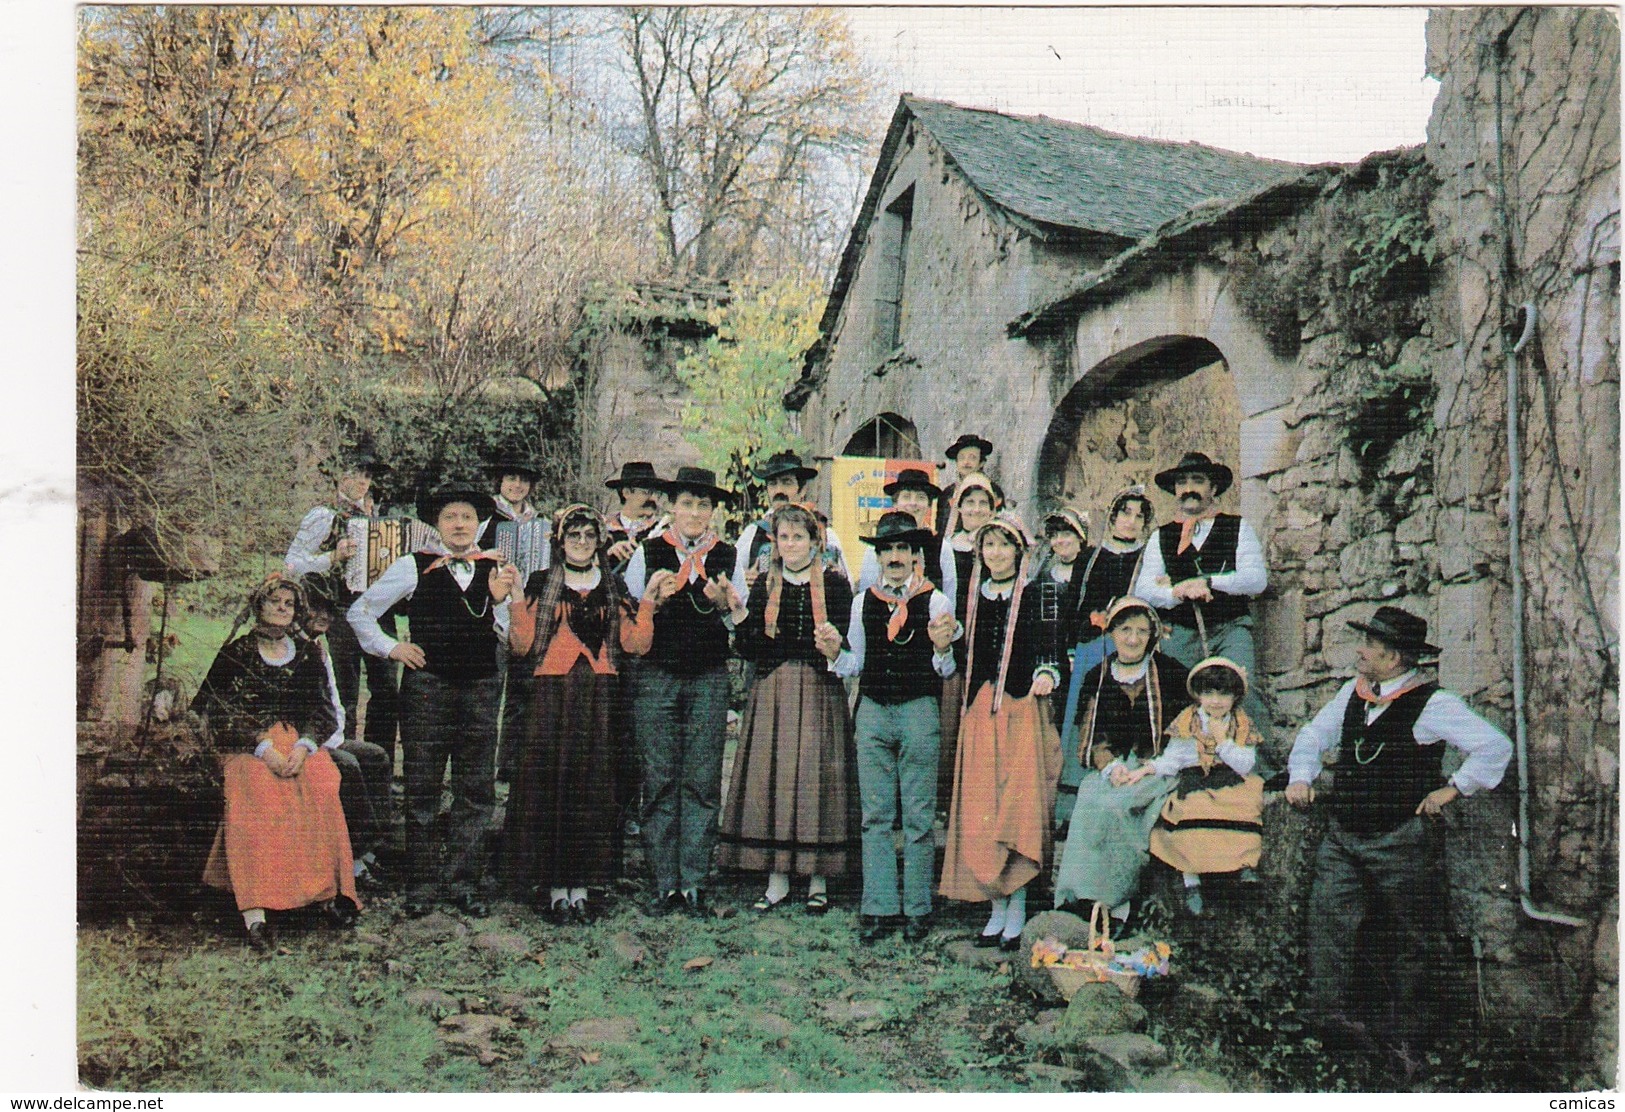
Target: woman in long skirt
(976, 499)
(999, 829)
(573, 628)
(1130, 698)
(791, 801)
(282, 843)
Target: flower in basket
(1047, 951)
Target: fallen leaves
(697, 963)
(474, 1033)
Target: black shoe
(261, 937)
(1009, 945)
(872, 928)
(339, 916)
(916, 928)
(558, 913)
(663, 903)
(582, 913)
(986, 941)
(695, 904)
(473, 904)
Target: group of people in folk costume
(1101, 691)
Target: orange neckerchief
(693, 559)
(1187, 528)
(1363, 688)
(470, 556)
(899, 606)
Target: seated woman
(1214, 820)
(1129, 701)
(282, 842)
(791, 806)
(573, 629)
(999, 833)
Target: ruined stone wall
(1555, 164)
(632, 407)
(955, 369)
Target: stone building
(1342, 336)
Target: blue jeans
(449, 722)
(682, 724)
(897, 749)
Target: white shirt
(304, 556)
(850, 662)
(1444, 718)
(1182, 753)
(400, 581)
(1250, 578)
(336, 738)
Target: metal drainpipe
(1509, 354)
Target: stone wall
(955, 368)
(1556, 164)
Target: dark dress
(792, 797)
(953, 688)
(565, 811)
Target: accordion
(525, 544)
(380, 541)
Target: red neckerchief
(694, 559)
(1187, 528)
(899, 606)
(1363, 688)
(471, 555)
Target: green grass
(185, 1007)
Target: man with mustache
(786, 479)
(639, 490)
(898, 640)
(1201, 570)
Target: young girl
(999, 833)
(1213, 821)
(790, 806)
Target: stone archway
(1131, 415)
(885, 436)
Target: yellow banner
(857, 498)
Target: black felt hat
(785, 463)
(700, 480)
(894, 526)
(1201, 464)
(1400, 630)
(430, 505)
(915, 479)
(969, 440)
(638, 473)
(358, 457)
(513, 463)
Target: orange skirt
(999, 829)
(1215, 830)
(281, 843)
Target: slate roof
(1070, 175)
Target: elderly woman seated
(282, 843)
(1131, 697)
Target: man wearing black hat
(680, 699)
(515, 478)
(912, 493)
(457, 604)
(319, 550)
(639, 490)
(786, 479)
(898, 640)
(969, 456)
(1200, 570)
(1385, 726)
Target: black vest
(1216, 557)
(690, 636)
(455, 628)
(1383, 773)
(898, 671)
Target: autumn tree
(737, 379)
(735, 115)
